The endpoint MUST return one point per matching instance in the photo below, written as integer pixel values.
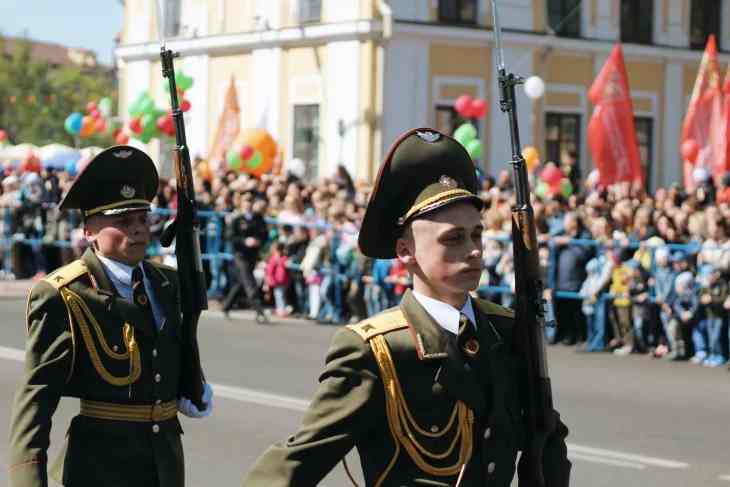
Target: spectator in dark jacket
(570, 260)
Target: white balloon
(296, 167)
(534, 87)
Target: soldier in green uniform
(427, 392)
(105, 329)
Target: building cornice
(264, 39)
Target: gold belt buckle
(157, 412)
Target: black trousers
(245, 282)
(570, 320)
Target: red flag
(228, 128)
(725, 123)
(702, 143)
(611, 131)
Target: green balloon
(105, 106)
(566, 188)
(541, 189)
(255, 161)
(234, 160)
(149, 121)
(465, 133)
(147, 106)
(145, 137)
(474, 148)
(183, 81)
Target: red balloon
(91, 106)
(478, 108)
(100, 125)
(116, 132)
(185, 105)
(551, 175)
(690, 150)
(122, 138)
(162, 123)
(462, 105)
(95, 113)
(247, 152)
(135, 125)
(3, 135)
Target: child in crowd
(377, 289)
(663, 286)
(707, 335)
(641, 308)
(276, 278)
(594, 302)
(622, 341)
(314, 257)
(685, 306)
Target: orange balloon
(88, 126)
(532, 157)
(264, 151)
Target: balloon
(185, 105)
(147, 105)
(474, 148)
(541, 189)
(95, 113)
(87, 126)
(105, 106)
(255, 162)
(100, 125)
(478, 108)
(246, 152)
(531, 156)
(690, 150)
(90, 107)
(260, 142)
(162, 123)
(183, 81)
(551, 175)
(149, 122)
(73, 123)
(70, 168)
(122, 138)
(700, 175)
(462, 105)
(3, 135)
(534, 87)
(566, 188)
(135, 125)
(146, 137)
(234, 160)
(464, 133)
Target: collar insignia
(127, 191)
(122, 154)
(448, 181)
(429, 136)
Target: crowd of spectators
(627, 271)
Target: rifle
(536, 396)
(185, 230)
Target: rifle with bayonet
(184, 229)
(535, 393)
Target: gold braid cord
(81, 312)
(404, 427)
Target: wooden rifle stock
(185, 230)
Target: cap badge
(448, 181)
(127, 191)
(429, 136)
(122, 154)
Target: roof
(54, 54)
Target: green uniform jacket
(98, 452)
(349, 407)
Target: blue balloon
(73, 123)
(71, 168)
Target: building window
(458, 11)
(562, 137)
(637, 21)
(564, 17)
(447, 120)
(305, 144)
(645, 138)
(172, 16)
(310, 11)
(704, 20)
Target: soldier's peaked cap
(119, 179)
(423, 171)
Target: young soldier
(105, 329)
(426, 391)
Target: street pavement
(634, 421)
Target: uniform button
(158, 401)
(154, 352)
(434, 429)
(158, 377)
(467, 368)
(491, 467)
(115, 348)
(487, 433)
(156, 429)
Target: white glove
(186, 406)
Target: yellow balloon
(532, 157)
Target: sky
(91, 24)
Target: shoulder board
(490, 308)
(380, 324)
(66, 274)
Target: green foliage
(36, 97)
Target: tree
(36, 97)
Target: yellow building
(335, 81)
